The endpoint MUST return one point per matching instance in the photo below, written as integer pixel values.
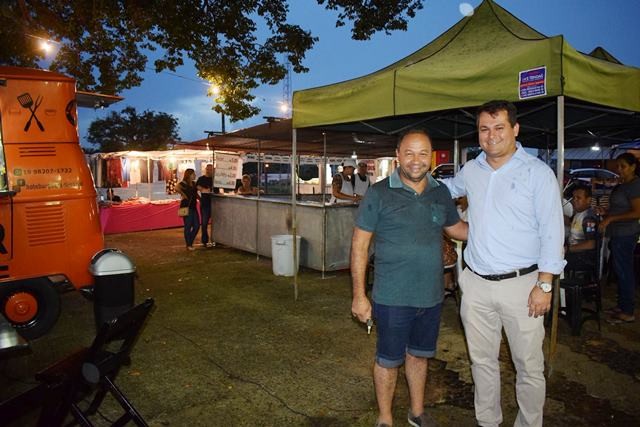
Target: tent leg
(560, 148)
(294, 178)
(553, 340)
(258, 205)
(323, 178)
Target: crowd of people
(514, 233)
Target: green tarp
(478, 59)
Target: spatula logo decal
(27, 102)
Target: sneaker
(210, 244)
(423, 420)
(191, 248)
(618, 318)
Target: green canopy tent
(489, 55)
(561, 93)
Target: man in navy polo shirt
(405, 215)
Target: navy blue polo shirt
(407, 231)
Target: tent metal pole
(258, 203)
(213, 163)
(560, 134)
(323, 184)
(294, 152)
(456, 149)
(553, 341)
(149, 174)
(456, 155)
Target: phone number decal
(47, 171)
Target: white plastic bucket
(282, 254)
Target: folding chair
(581, 287)
(95, 368)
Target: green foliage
(129, 130)
(238, 44)
(373, 15)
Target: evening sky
(586, 24)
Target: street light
(46, 46)
(215, 90)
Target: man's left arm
(548, 212)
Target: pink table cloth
(129, 217)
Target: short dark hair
(421, 131)
(585, 188)
(492, 107)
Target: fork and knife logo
(27, 102)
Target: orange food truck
(49, 224)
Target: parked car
(443, 170)
(583, 176)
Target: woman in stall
(621, 225)
(188, 198)
(246, 189)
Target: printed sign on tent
(533, 82)
(226, 170)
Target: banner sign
(227, 171)
(304, 160)
(533, 82)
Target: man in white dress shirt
(514, 249)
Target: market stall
(143, 186)
(133, 216)
(150, 174)
(248, 222)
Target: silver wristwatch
(545, 286)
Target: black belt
(497, 277)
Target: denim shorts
(402, 330)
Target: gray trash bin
(113, 274)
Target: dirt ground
(227, 345)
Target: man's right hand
(361, 309)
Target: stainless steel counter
(247, 223)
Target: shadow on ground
(227, 345)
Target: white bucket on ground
(282, 254)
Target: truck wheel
(31, 306)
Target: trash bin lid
(109, 262)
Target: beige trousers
(487, 307)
